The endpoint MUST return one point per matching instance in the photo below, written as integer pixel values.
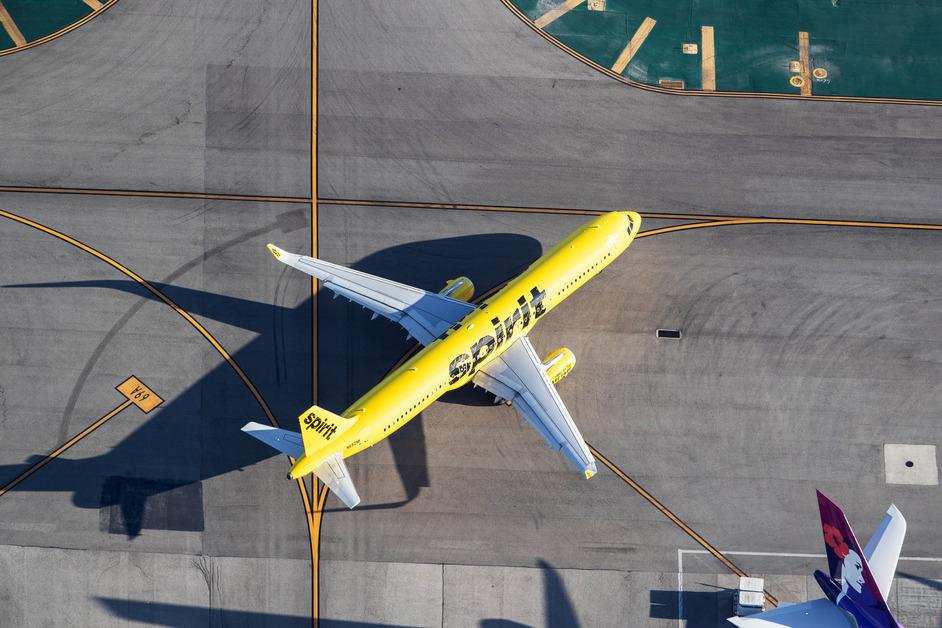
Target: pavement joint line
(633, 46)
(61, 449)
(189, 319)
(11, 28)
(682, 92)
(68, 29)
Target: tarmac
(806, 348)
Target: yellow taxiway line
(651, 499)
(707, 59)
(189, 319)
(554, 14)
(153, 194)
(316, 517)
(94, 5)
(634, 44)
(11, 28)
(61, 449)
(725, 219)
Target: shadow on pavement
(142, 482)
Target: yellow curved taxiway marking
(199, 328)
(673, 229)
(59, 33)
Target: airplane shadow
(151, 479)
(558, 612)
(701, 609)
(926, 582)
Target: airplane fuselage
(454, 358)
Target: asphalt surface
(805, 348)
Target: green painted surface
(38, 18)
(870, 48)
(5, 41)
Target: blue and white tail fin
(288, 443)
(861, 594)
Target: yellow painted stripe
(707, 59)
(186, 316)
(314, 519)
(634, 44)
(64, 447)
(675, 519)
(152, 194)
(554, 14)
(804, 56)
(597, 212)
(10, 26)
(93, 4)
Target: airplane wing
(883, 548)
(518, 375)
(820, 613)
(333, 472)
(425, 315)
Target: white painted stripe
(680, 568)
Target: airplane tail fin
(319, 427)
(861, 595)
(883, 549)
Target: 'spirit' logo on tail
(322, 426)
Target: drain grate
(668, 333)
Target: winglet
(589, 473)
(275, 251)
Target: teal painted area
(5, 41)
(870, 48)
(38, 18)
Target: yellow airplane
(484, 344)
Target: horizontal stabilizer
(286, 442)
(333, 472)
(818, 613)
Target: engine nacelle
(559, 363)
(461, 289)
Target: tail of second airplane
(857, 583)
(319, 428)
(859, 580)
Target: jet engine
(460, 288)
(558, 364)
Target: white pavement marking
(680, 568)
